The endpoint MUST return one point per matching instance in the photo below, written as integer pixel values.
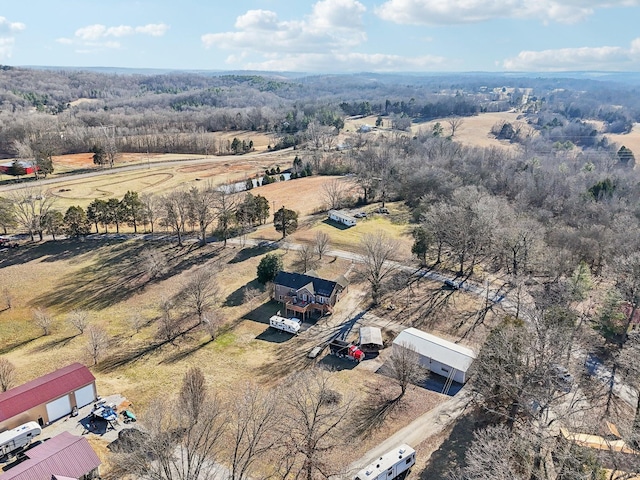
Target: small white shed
(341, 217)
(437, 354)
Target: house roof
(43, 389)
(62, 456)
(370, 336)
(296, 281)
(437, 348)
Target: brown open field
(474, 130)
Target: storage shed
(47, 398)
(437, 354)
(371, 339)
(64, 456)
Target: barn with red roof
(47, 398)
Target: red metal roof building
(64, 456)
(47, 398)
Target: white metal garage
(442, 357)
(59, 408)
(84, 396)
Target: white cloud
(6, 47)
(7, 40)
(348, 62)
(435, 12)
(153, 29)
(332, 25)
(97, 36)
(10, 27)
(585, 58)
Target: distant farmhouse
(18, 168)
(306, 294)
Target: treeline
(174, 112)
(179, 212)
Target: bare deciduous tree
(193, 393)
(31, 206)
(312, 429)
(405, 367)
(334, 193)
(454, 124)
(97, 342)
(7, 374)
(212, 321)
(153, 262)
(321, 244)
(8, 297)
(43, 319)
(178, 446)
(202, 204)
(136, 320)
(254, 421)
(200, 292)
(175, 212)
(168, 327)
(378, 251)
(78, 319)
(305, 256)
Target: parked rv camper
(13, 440)
(289, 325)
(390, 465)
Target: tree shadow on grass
(115, 274)
(236, 297)
(50, 251)
(53, 344)
(9, 348)
(250, 252)
(373, 411)
(183, 354)
(262, 313)
(451, 453)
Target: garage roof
(62, 456)
(44, 389)
(437, 348)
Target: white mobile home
(437, 354)
(341, 217)
(389, 465)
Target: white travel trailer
(289, 325)
(390, 465)
(19, 437)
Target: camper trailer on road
(390, 465)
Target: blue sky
(332, 36)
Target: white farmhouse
(437, 354)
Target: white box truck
(289, 325)
(390, 465)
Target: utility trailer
(289, 325)
(390, 465)
(14, 440)
(344, 349)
